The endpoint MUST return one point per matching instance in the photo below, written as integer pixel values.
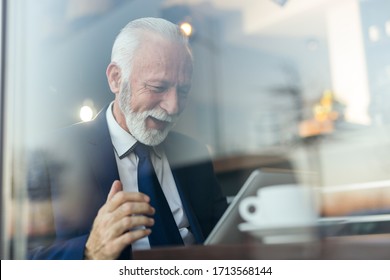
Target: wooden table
(373, 247)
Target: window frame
(3, 243)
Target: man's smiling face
(160, 81)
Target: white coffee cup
(280, 206)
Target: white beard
(136, 122)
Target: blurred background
(300, 86)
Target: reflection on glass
(303, 86)
(374, 33)
(186, 27)
(86, 113)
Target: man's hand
(112, 229)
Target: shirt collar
(123, 141)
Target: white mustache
(161, 115)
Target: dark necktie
(164, 230)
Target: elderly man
(123, 181)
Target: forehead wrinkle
(158, 60)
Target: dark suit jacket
(75, 169)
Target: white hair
(130, 37)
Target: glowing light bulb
(86, 113)
(186, 28)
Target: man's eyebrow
(163, 82)
(166, 83)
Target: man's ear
(113, 74)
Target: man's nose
(170, 102)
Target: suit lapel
(180, 175)
(101, 153)
(193, 221)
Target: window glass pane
(301, 86)
(3, 243)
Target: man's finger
(129, 238)
(123, 197)
(130, 224)
(134, 208)
(115, 188)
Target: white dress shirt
(127, 168)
